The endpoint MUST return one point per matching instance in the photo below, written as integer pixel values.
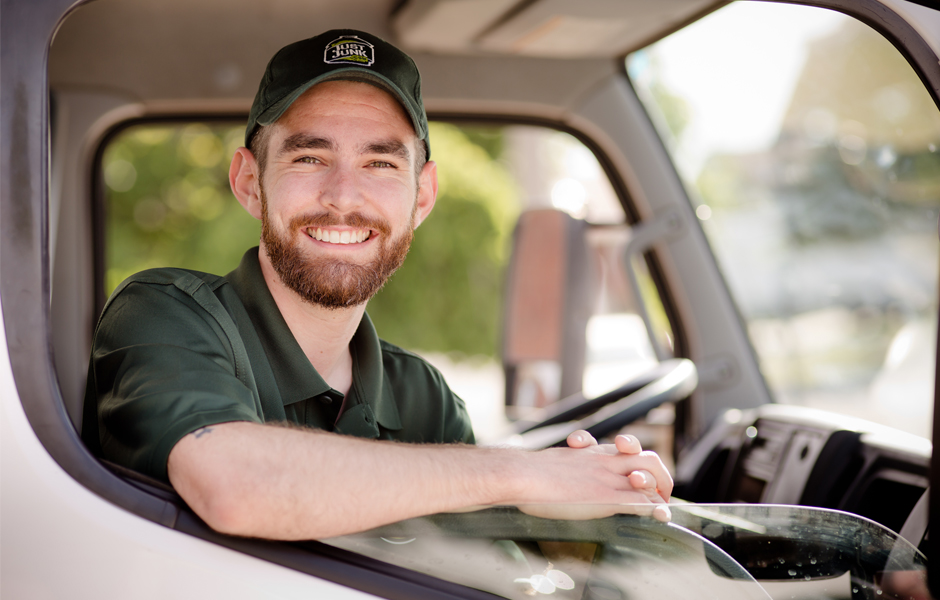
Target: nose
(341, 194)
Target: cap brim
(276, 110)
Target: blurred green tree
(168, 201)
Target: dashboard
(784, 454)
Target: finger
(651, 463)
(651, 494)
(662, 513)
(628, 444)
(642, 480)
(581, 439)
(644, 483)
(663, 479)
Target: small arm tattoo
(202, 431)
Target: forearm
(291, 483)
(284, 483)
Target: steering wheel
(670, 381)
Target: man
(196, 379)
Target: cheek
(393, 196)
(388, 185)
(286, 196)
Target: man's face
(339, 197)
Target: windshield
(713, 551)
(809, 149)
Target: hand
(589, 481)
(656, 489)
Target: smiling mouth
(332, 236)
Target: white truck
(732, 208)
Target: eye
(310, 160)
(382, 164)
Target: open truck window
(528, 191)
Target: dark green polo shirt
(176, 350)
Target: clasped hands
(646, 490)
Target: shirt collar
(296, 378)
(369, 379)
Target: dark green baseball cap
(338, 54)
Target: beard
(330, 282)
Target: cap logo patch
(349, 49)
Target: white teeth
(340, 237)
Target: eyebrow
(303, 141)
(393, 147)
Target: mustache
(327, 219)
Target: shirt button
(326, 400)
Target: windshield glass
(713, 551)
(809, 149)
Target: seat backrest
(547, 304)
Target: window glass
(167, 203)
(810, 151)
(707, 551)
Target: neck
(323, 334)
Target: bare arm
(288, 483)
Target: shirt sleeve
(162, 366)
(457, 425)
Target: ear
(427, 192)
(243, 178)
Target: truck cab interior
(710, 224)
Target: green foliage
(488, 138)
(168, 204)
